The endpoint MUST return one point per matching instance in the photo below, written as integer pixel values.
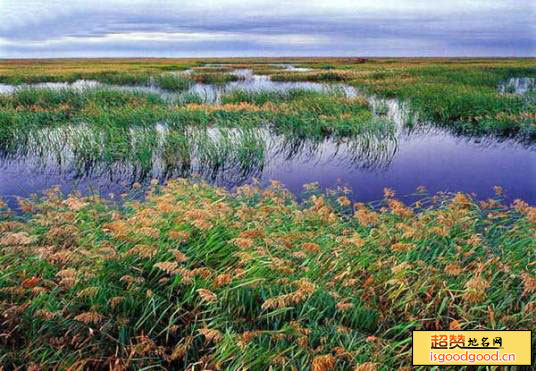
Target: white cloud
(330, 26)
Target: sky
(226, 28)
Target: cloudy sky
(182, 28)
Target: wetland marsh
(290, 213)
(385, 145)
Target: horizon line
(281, 57)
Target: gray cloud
(228, 27)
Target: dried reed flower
(343, 307)
(88, 292)
(20, 238)
(181, 349)
(247, 337)
(461, 200)
(89, 317)
(310, 247)
(207, 295)
(31, 282)
(299, 254)
(223, 279)
(243, 243)
(367, 366)
(67, 273)
(453, 269)
(179, 236)
(279, 360)
(202, 224)
(323, 363)
(179, 256)
(403, 247)
(168, 267)
(529, 283)
(116, 300)
(75, 204)
(398, 208)
(388, 193)
(132, 280)
(211, 335)
(344, 201)
(475, 240)
(144, 251)
(366, 218)
(46, 315)
(303, 341)
(150, 232)
(475, 290)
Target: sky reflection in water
(425, 156)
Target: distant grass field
(196, 277)
(458, 93)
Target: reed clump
(195, 275)
(461, 94)
(214, 77)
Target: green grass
(458, 94)
(173, 82)
(266, 96)
(319, 112)
(308, 76)
(141, 150)
(223, 69)
(53, 100)
(214, 77)
(197, 277)
(123, 78)
(459, 97)
(165, 81)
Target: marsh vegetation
(240, 213)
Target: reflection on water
(292, 68)
(110, 160)
(84, 158)
(77, 85)
(257, 83)
(518, 85)
(207, 93)
(226, 157)
(394, 110)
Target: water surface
(208, 93)
(518, 85)
(81, 157)
(233, 157)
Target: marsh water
(207, 93)
(518, 85)
(80, 157)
